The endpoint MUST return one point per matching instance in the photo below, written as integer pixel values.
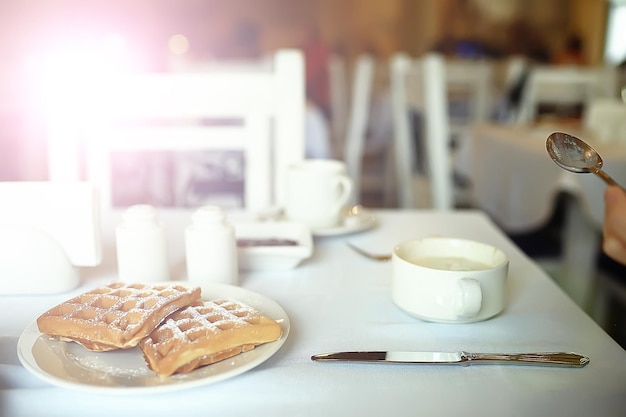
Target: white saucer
(125, 372)
(353, 222)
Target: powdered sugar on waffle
(117, 315)
(214, 315)
(206, 333)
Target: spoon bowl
(575, 155)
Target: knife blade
(569, 359)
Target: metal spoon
(573, 154)
(373, 256)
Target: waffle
(205, 333)
(116, 316)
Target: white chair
(469, 90)
(514, 69)
(357, 121)
(339, 102)
(406, 98)
(564, 85)
(419, 86)
(252, 116)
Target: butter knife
(459, 358)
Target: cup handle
(468, 298)
(345, 184)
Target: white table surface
(338, 300)
(514, 180)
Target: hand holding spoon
(573, 154)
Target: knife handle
(543, 358)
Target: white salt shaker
(141, 246)
(211, 248)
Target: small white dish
(272, 245)
(355, 219)
(125, 372)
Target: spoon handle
(607, 178)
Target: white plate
(69, 365)
(360, 221)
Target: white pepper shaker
(141, 246)
(211, 248)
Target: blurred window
(615, 50)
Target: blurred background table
(514, 180)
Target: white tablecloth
(514, 180)
(338, 300)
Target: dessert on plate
(205, 333)
(175, 329)
(116, 316)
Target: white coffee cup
(317, 192)
(449, 280)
